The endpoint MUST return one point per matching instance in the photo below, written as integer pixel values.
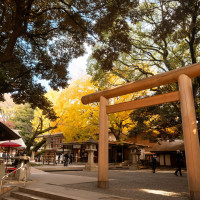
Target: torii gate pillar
(103, 144)
(190, 132)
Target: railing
(7, 175)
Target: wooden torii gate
(184, 95)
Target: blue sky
(77, 68)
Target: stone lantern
(24, 172)
(135, 154)
(90, 148)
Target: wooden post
(103, 145)
(191, 139)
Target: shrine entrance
(184, 95)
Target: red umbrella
(9, 144)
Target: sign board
(76, 146)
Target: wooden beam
(149, 101)
(191, 71)
(191, 138)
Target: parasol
(9, 144)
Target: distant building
(143, 139)
(166, 152)
(118, 151)
(54, 148)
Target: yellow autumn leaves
(77, 121)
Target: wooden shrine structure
(184, 95)
(49, 156)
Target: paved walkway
(123, 184)
(56, 183)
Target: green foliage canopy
(164, 35)
(38, 39)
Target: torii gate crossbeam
(185, 95)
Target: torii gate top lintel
(191, 71)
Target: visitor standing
(70, 159)
(179, 160)
(59, 159)
(66, 158)
(154, 163)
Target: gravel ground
(137, 185)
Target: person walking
(66, 158)
(70, 159)
(179, 160)
(154, 162)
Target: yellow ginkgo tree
(77, 121)
(41, 125)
